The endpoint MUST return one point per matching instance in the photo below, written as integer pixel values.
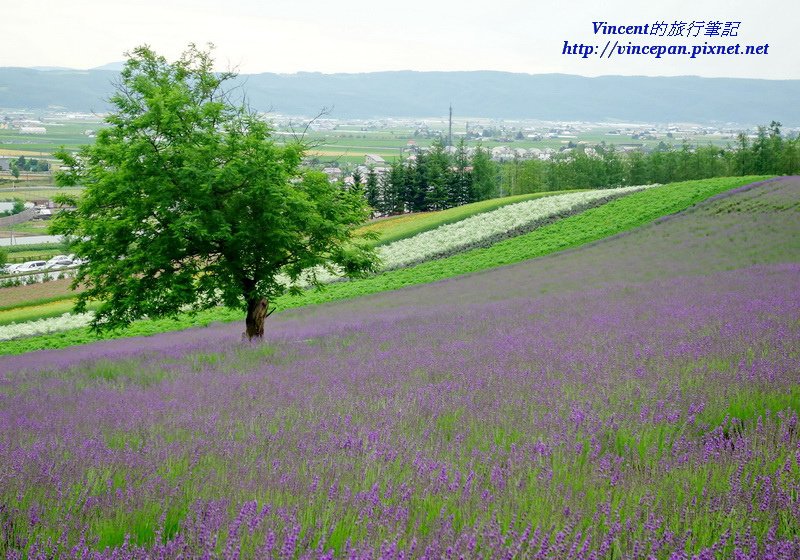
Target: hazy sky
(361, 36)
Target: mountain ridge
(481, 93)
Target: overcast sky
(361, 36)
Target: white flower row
(484, 229)
(44, 326)
(473, 231)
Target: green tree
(460, 181)
(587, 171)
(392, 185)
(372, 191)
(561, 174)
(790, 156)
(743, 160)
(188, 203)
(613, 172)
(509, 176)
(483, 176)
(13, 167)
(776, 147)
(708, 162)
(417, 188)
(17, 206)
(438, 176)
(638, 172)
(532, 176)
(357, 182)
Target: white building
(333, 173)
(374, 159)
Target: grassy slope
(401, 227)
(39, 310)
(610, 219)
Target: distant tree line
(434, 180)
(30, 165)
(437, 179)
(769, 153)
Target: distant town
(341, 147)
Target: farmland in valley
(636, 396)
(342, 141)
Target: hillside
(478, 94)
(508, 234)
(638, 394)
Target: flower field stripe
(399, 227)
(615, 217)
(43, 318)
(64, 322)
(487, 228)
(637, 398)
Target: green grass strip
(37, 302)
(617, 216)
(35, 248)
(55, 308)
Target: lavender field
(636, 398)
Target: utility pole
(450, 128)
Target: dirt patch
(23, 294)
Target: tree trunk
(256, 312)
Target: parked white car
(59, 261)
(75, 260)
(32, 266)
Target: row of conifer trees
(438, 179)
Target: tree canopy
(189, 202)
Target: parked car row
(56, 263)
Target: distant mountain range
(115, 66)
(472, 94)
